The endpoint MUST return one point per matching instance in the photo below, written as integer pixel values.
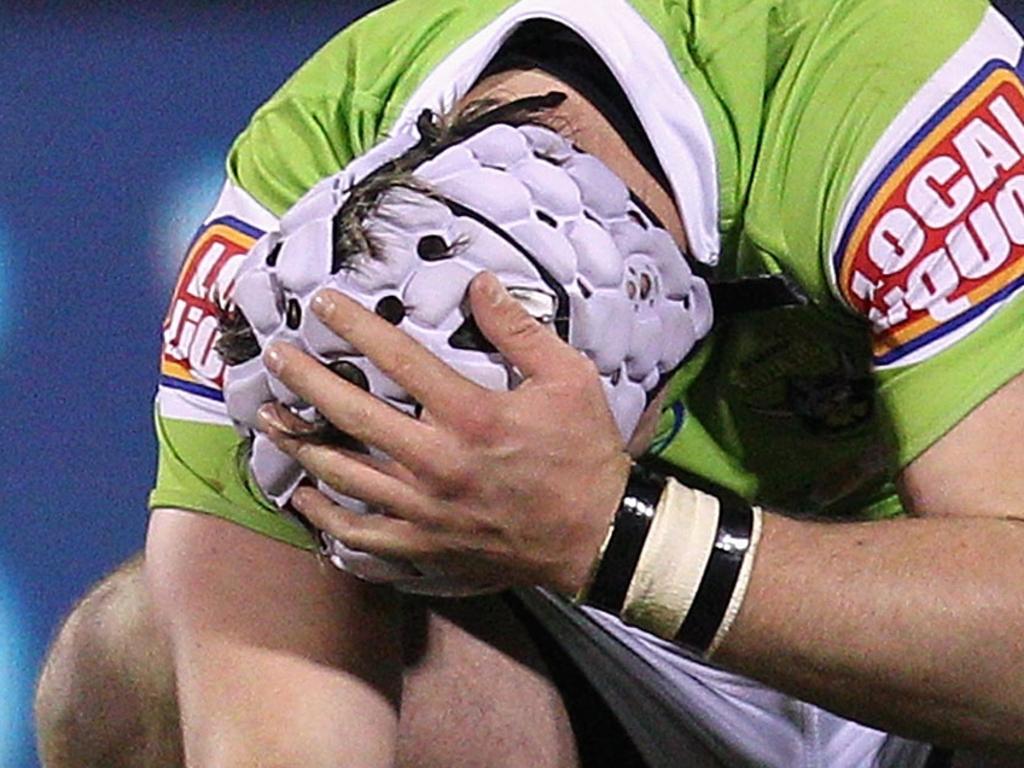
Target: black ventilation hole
(339, 256)
(585, 290)
(272, 256)
(293, 315)
(635, 216)
(645, 286)
(547, 218)
(549, 158)
(686, 302)
(391, 309)
(351, 373)
(614, 378)
(433, 248)
(469, 336)
(588, 215)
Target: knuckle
(580, 375)
(454, 479)
(586, 368)
(478, 423)
(518, 324)
(459, 478)
(474, 424)
(446, 473)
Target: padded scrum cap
(557, 227)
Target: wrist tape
(676, 562)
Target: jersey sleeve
(309, 129)
(202, 460)
(890, 185)
(929, 249)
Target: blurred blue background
(113, 125)
(114, 121)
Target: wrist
(676, 562)
(600, 535)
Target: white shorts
(680, 711)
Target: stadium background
(113, 126)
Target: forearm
(913, 625)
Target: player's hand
(507, 488)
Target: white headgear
(554, 224)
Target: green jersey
(875, 161)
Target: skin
(106, 696)
(281, 661)
(883, 622)
(258, 628)
(912, 625)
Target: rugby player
(872, 162)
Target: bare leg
(477, 692)
(279, 660)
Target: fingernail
(323, 305)
(268, 418)
(300, 497)
(492, 288)
(273, 358)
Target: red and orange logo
(189, 360)
(937, 243)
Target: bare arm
(911, 625)
(279, 661)
(915, 625)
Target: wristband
(677, 561)
(625, 542)
(721, 576)
(672, 564)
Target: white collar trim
(639, 60)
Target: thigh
(488, 684)
(278, 660)
(477, 692)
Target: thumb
(531, 347)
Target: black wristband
(717, 585)
(629, 533)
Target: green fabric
(200, 469)
(835, 75)
(781, 406)
(340, 103)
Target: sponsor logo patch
(937, 243)
(189, 361)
